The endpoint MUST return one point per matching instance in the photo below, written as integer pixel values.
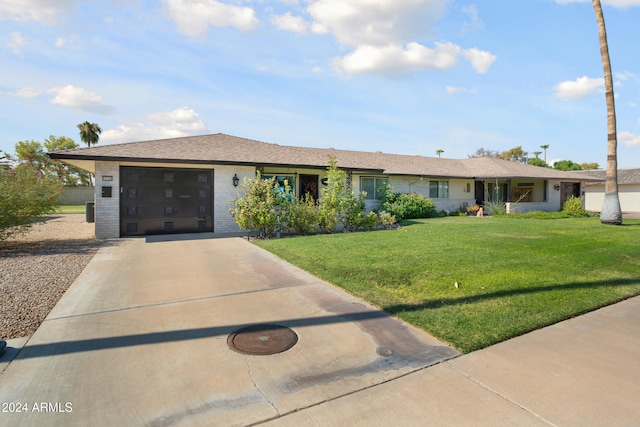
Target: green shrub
(386, 219)
(495, 208)
(409, 205)
(573, 207)
(370, 221)
(302, 217)
(25, 194)
(353, 216)
(263, 207)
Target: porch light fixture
(556, 187)
(235, 180)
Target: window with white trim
(438, 189)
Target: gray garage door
(165, 200)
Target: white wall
(224, 192)
(629, 195)
(107, 223)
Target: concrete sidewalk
(140, 339)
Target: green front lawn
(71, 209)
(514, 275)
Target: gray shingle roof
(625, 176)
(226, 149)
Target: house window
(375, 188)
(282, 182)
(497, 192)
(438, 189)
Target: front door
(479, 190)
(309, 185)
(568, 189)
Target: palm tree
(611, 212)
(537, 153)
(89, 133)
(544, 147)
(438, 152)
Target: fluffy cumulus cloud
(44, 11)
(579, 88)
(193, 17)
(383, 35)
(376, 23)
(629, 139)
(80, 99)
(172, 124)
(288, 22)
(396, 60)
(480, 59)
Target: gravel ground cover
(36, 269)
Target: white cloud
(480, 60)
(193, 17)
(376, 23)
(172, 124)
(475, 22)
(60, 42)
(454, 90)
(383, 34)
(289, 22)
(396, 60)
(26, 92)
(629, 139)
(44, 11)
(80, 99)
(579, 88)
(17, 42)
(615, 3)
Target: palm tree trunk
(611, 212)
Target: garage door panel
(160, 200)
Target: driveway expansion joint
(497, 393)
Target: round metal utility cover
(262, 340)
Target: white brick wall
(224, 192)
(107, 208)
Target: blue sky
(398, 76)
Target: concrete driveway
(140, 339)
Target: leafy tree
(538, 162)
(25, 194)
(611, 212)
(588, 166)
(332, 197)
(338, 202)
(516, 154)
(33, 153)
(566, 165)
(481, 152)
(71, 175)
(89, 133)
